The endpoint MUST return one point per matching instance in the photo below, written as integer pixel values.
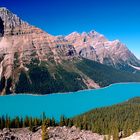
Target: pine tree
(53, 122)
(26, 121)
(17, 122)
(45, 135)
(43, 116)
(2, 122)
(70, 123)
(62, 121)
(115, 131)
(31, 127)
(7, 122)
(37, 122)
(21, 122)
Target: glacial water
(70, 104)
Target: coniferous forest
(119, 120)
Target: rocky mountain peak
(4, 10)
(73, 34)
(10, 23)
(8, 17)
(23, 46)
(97, 47)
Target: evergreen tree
(17, 122)
(53, 123)
(26, 121)
(70, 124)
(43, 116)
(62, 121)
(45, 135)
(7, 122)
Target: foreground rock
(20, 134)
(135, 136)
(64, 133)
(55, 133)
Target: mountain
(33, 61)
(95, 46)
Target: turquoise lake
(70, 104)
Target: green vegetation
(105, 75)
(46, 77)
(123, 118)
(43, 82)
(44, 127)
(19, 122)
(119, 120)
(23, 84)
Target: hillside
(118, 120)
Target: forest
(66, 77)
(119, 120)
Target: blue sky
(116, 19)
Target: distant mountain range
(33, 61)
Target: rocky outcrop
(95, 46)
(135, 136)
(20, 134)
(64, 133)
(55, 133)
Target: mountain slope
(105, 75)
(119, 120)
(33, 61)
(95, 46)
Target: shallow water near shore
(70, 105)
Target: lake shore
(75, 103)
(74, 92)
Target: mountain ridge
(97, 47)
(33, 61)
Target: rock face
(23, 46)
(10, 23)
(33, 61)
(96, 47)
(56, 133)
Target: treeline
(105, 75)
(32, 123)
(118, 120)
(19, 122)
(64, 81)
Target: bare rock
(135, 136)
(55, 133)
(95, 46)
